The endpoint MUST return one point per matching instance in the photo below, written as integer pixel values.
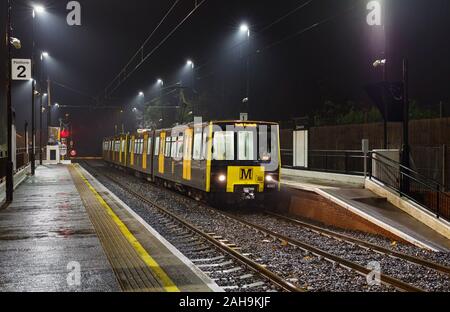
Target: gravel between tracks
(302, 269)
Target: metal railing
(332, 161)
(410, 184)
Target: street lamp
(245, 29)
(38, 9)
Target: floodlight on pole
(244, 28)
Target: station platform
(352, 197)
(64, 231)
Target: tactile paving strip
(132, 272)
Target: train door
(144, 152)
(198, 162)
(161, 153)
(187, 154)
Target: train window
(141, 146)
(205, 143)
(223, 145)
(167, 147)
(246, 145)
(124, 144)
(197, 146)
(149, 146)
(157, 146)
(173, 153)
(180, 147)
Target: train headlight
(269, 178)
(222, 178)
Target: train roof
(204, 123)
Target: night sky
(290, 78)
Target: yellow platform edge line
(168, 284)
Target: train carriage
(227, 161)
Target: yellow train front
(223, 161)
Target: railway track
(364, 244)
(321, 254)
(197, 247)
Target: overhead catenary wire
(289, 37)
(141, 48)
(124, 75)
(265, 28)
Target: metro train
(220, 161)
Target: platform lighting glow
(160, 81)
(245, 29)
(56, 105)
(45, 94)
(269, 178)
(39, 9)
(222, 178)
(190, 63)
(141, 93)
(45, 54)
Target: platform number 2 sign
(374, 16)
(21, 69)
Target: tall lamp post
(405, 146)
(36, 10)
(190, 64)
(41, 106)
(10, 41)
(383, 63)
(245, 29)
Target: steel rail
(363, 244)
(386, 279)
(254, 266)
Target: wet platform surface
(63, 221)
(46, 234)
(368, 203)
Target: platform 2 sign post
(21, 69)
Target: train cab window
(157, 141)
(223, 145)
(197, 154)
(167, 147)
(246, 145)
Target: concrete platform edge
(210, 283)
(366, 216)
(415, 211)
(333, 177)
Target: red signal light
(65, 134)
(73, 153)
